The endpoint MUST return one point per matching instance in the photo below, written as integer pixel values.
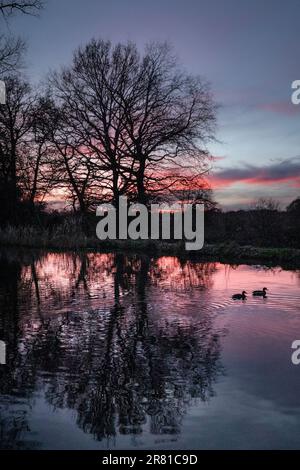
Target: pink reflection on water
(58, 283)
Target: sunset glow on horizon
(245, 52)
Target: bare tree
(294, 206)
(37, 176)
(11, 48)
(11, 51)
(71, 168)
(202, 194)
(170, 117)
(27, 7)
(93, 121)
(14, 125)
(141, 124)
(24, 148)
(265, 204)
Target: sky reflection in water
(118, 351)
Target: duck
(260, 293)
(241, 296)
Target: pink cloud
(285, 172)
(280, 107)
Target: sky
(247, 49)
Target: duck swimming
(241, 296)
(260, 293)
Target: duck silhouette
(241, 296)
(260, 293)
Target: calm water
(113, 351)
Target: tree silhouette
(11, 48)
(135, 124)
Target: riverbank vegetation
(260, 234)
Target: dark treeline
(263, 225)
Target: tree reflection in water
(97, 334)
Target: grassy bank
(66, 237)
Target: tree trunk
(140, 178)
(13, 190)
